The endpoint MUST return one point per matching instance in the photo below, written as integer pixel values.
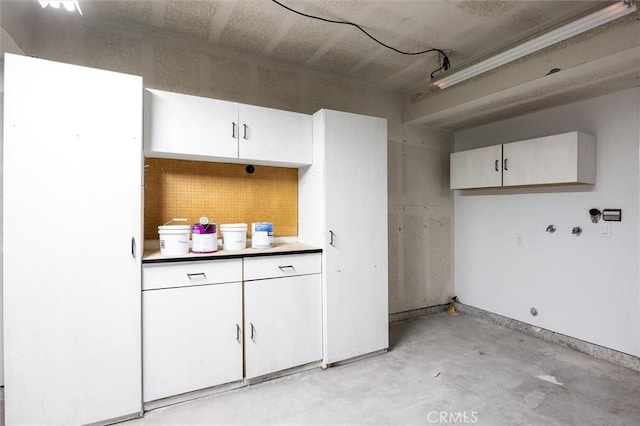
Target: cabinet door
(564, 158)
(477, 168)
(356, 310)
(72, 215)
(270, 136)
(283, 323)
(190, 127)
(192, 338)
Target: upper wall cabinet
(477, 168)
(196, 128)
(567, 158)
(275, 136)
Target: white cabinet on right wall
(567, 158)
(559, 159)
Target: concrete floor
(441, 368)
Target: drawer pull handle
(233, 130)
(245, 131)
(253, 332)
(199, 274)
(287, 268)
(238, 333)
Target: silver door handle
(233, 130)
(505, 163)
(253, 330)
(496, 166)
(133, 247)
(238, 333)
(245, 131)
(331, 234)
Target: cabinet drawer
(257, 268)
(166, 275)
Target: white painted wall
(587, 287)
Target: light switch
(605, 230)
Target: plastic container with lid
(234, 236)
(204, 237)
(174, 239)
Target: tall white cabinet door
(192, 338)
(190, 127)
(283, 323)
(275, 136)
(72, 243)
(356, 306)
(477, 168)
(564, 158)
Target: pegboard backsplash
(225, 193)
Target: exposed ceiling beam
(620, 70)
(580, 50)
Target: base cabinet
(283, 321)
(192, 338)
(204, 327)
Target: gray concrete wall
(421, 205)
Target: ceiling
(464, 29)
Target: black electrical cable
(445, 59)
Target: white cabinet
(192, 326)
(559, 159)
(202, 325)
(274, 136)
(283, 316)
(567, 158)
(72, 243)
(196, 128)
(477, 168)
(192, 338)
(184, 126)
(342, 205)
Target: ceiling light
(69, 5)
(579, 26)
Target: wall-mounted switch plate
(605, 230)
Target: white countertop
(282, 245)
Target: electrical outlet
(605, 230)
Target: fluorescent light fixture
(579, 26)
(69, 5)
